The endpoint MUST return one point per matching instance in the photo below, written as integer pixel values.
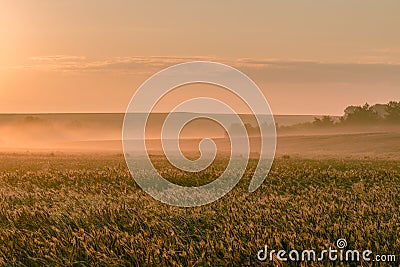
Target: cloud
(269, 70)
(386, 50)
(78, 64)
(304, 71)
(57, 58)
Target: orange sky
(308, 57)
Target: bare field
(102, 133)
(383, 145)
(38, 131)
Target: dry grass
(80, 210)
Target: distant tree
(380, 109)
(324, 121)
(393, 111)
(360, 114)
(251, 130)
(32, 119)
(236, 129)
(349, 110)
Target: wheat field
(85, 209)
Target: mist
(103, 133)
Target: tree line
(365, 114)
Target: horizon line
(93, 113)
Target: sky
(307, 57)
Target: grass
(79, 210)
